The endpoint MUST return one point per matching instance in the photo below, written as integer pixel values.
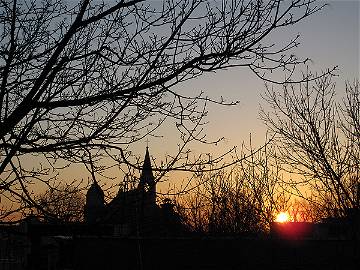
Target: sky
(330, 38)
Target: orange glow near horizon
(282, 217)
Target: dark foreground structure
(190, 253)
(96, 252)
(210, 254)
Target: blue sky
(329, 38)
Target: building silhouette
(133, 211)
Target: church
(134, 212)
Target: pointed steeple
(147, 176)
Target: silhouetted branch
(92, 77)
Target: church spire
(147, 176)
(147, 181)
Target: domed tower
(147, 180)
(94, 208)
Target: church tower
(147, 180)
(95, 205)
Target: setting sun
(282, 217)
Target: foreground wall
(116, 253)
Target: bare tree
(318, 137)
(98, 76)
(243, 198)
(62, 204)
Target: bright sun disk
(282, 217)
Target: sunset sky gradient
(330, 38)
